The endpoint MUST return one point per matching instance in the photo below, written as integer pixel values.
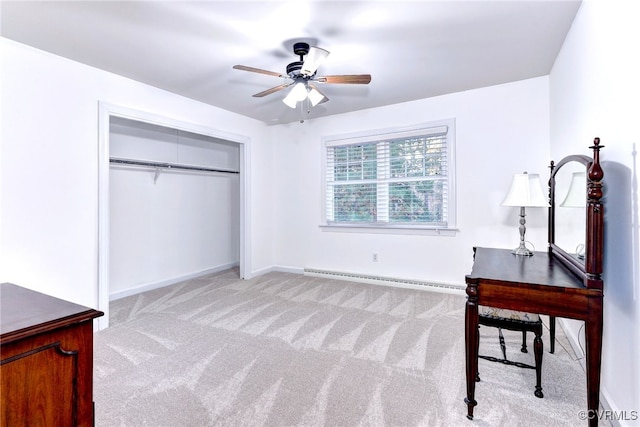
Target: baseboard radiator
(389, 281)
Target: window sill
(389, 229)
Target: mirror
(576, 215)
(570, 209)
(568, 235)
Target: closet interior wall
(167, 224)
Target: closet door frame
(106, 111)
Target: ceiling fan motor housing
(301, 49)
(293, 69)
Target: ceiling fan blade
(361, 79)
(272, 90)
(312, 61)
(258, 70)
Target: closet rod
(167, 165)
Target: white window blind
(395, 178)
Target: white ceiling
(413, 49)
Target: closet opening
(172, 205)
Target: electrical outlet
(374, 257)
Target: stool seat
(503, 313)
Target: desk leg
(471, 345)
(552, 333)
(594, 357)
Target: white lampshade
(298, 93)
(525, 191)
(315, 96)
(290, 101)
(313, 60)
(577, 194)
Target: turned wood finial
(595, 172)
(550, 183)
(594, 244)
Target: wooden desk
(46, 360)
(538, 284)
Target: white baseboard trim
(167, 282)
(261, 271)
(285, 269)
(279, 268)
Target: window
(391, 179)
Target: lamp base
(522, 251)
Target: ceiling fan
(302, 76)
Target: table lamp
(525, 192)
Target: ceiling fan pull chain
(302, 111)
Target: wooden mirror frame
(590, 272)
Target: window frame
(381, 135)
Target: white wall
(177, 224)
(49, 171)
(594, 92)
(500, 131)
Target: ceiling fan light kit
(298, 93)
(302, 74)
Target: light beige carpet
(290, 350)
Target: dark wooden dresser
(46, 360)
